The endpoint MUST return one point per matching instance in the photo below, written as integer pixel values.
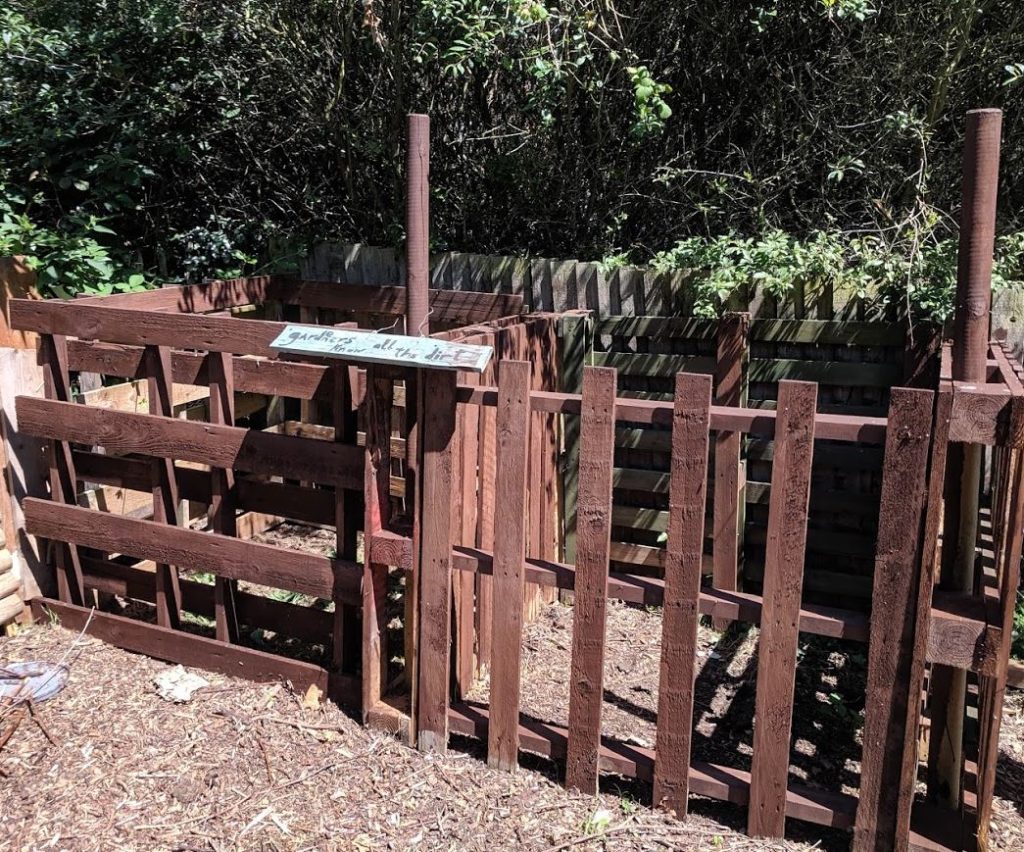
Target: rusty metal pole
(970, 355)
(417, 226)
(417, 323)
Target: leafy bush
(1017, 648)
(920, 277)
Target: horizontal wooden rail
(221, 555)
(174, 646)
(113, 576)
(190, 298)
(205, 443)
(960, 635)
(300, 503)
(632, 761)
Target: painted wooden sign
(351, 345)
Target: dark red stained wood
(348, 516)
(855, 428)
(63, 478)
(780, 614)
(157, 361)
(377, 402)
(206, 443)
(684, 550)
(594, 508)
(729, 474)
(465, 520)
(192, 298)
(445, 305)
(632, 761)
(224, 497)
(229, 557)
(176, 646)
(146, 328)
(488, 474)
(264, 376)
(315, 506)
(890, 740)
(115, 577)
(437, 419)
(509, 557)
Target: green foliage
(919, 275)
(1017, 649)
(215, 138)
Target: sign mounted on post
(402, 351)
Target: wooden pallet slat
(683, 559)
(435, 559)
(890, 740)
(780, 615)
(223, 494)
(593, 541)
(509, 557)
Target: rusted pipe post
(970, 353)
(417, 226)
(417, 323)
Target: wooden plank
(204, 443)
(348, 516)
(729, 497)
(164, 484)
(465, 532)
(488, 475)
(194, 298)
(435, 559)
(843, 373)
(654, 366)
(229, 557)
(147, 328)
(252, 375)
(63, 478)
(632, 761)
(685, 328)
(780, 616)
(889, 757)
(377, 513)
(829, 333)
(586, 684)
(684, 551)
(447, 306)
(176, 646)
(223, 494)
(509, 557)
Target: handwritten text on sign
(381, 348)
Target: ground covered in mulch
(247, 766)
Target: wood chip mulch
(246, 766)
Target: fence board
(509, 557)
(682, 590)
(204, 443)
(277, 567)
(435, 559)
(890, 742)
(592, 550)
(63, 478)
(223, 502)
(783, 583)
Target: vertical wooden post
(347, 518)
(165, 483)
(730, 475)
(223, 498)
(377, 402)
(63, 478)
(586, 684)
(434, 560)
(691, 422)
(575, 335)
(979, 192)
(509, 558)
(896, 648)
(780, 613)
(417, 225)
(488, 476)
(464, 533)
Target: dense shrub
(178, 137)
